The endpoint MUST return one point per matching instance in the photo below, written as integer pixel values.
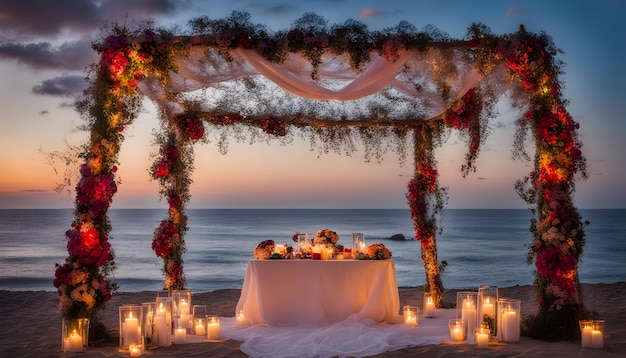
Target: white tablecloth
(315, 292)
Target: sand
(30, 326)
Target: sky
(45, 48)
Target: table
(299, 292)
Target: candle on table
(180, 336)
(75, 342)
(213, 327)
(200, 330)
(597, 339)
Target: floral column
(426, 202)
(557, 228)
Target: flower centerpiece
(326, 237)
(264, 250)
(377, 252)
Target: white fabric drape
(414, 75)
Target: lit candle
(597, 339)
(131, 329)
(468, 314)
(429, 309)
(183, 309)
(180, 335)
(135, 351)
(457, 332)
(488, 308)
(200, 331)
(482, 338)
(213, 328)
(510, 327)
(240, 318)
(162, 329)
(75, 342)
(586, 337)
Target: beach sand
(30, 326)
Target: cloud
(74, 55)
(370, 12)
(513, 11)
(51, 18)
(61, 86)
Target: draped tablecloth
(318, 292)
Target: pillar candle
(468, 314)
(488, 308)
(163, 332)
(180, 336)
(429, 309)
(457, 332)
(131, 330)
(240, 318)
(482, 339)
(597, 339)
(510, 327)
(75, 342)
(183, 309)
(586, 337)
(213, 328)
(200, 330)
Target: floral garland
(426, 203)
(466, 117)
(84, 281)
(557, 228)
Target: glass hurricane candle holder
(457, 329)
(148, 310)
(592, 334)
(410, 314)
(358, 243)
(487, 310)
(466, 303)
(509, 324)
(429, 305)
(198, 313)
(212, 327)
(130, 320)
(181, 303)
(163, 322)
(302, 251)
(75, 335)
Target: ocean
(481, 247)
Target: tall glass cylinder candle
(181, 301)
(509, 323)
(130, 317)
(481, 336)
(75, 335)
(466, 303)
(597, 334)
(199, 313)
(148, 310)
(429, 305)
(487, 310)
(212, 327)
(302, 252)
(358, 243)
(586, 329)
(163, 326)
(409, 314)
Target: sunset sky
(45, 49)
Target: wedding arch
(337, 86)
